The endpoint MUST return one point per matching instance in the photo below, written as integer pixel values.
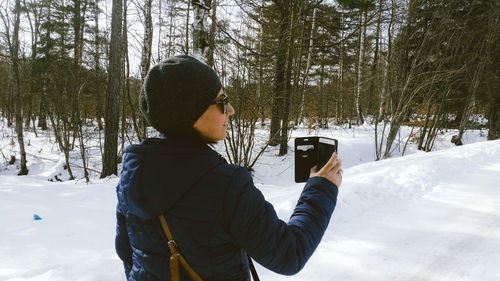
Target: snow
(423, 216)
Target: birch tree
(147, 42)
(201, 45)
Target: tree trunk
(200, 37)
(288, 90)
(426, 124)
(78, 27)
(211, 36)
(170, 28)
(375, 66)
(110, 159)
(466, 113)
(98, 103)
(494, 120)
(359, 68)
(186, 45)
(340, 89)
(385, 87)
(279, 77)
(14, 52)
(35, 29)
(61, 132)
(147, 43)
(494, 94)
(42, 113)
(308, 64)
(321, 95)
(141, 134)
(261, 68)
(160, 25)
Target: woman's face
(213, 123)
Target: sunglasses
(223, 103)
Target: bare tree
(14, 57)
(340, 76)
(279, 74)
(34, 23)
(383, 97)
(79, 14)
(110, 159)
(97, 66)
(186, 28)
(308, 64)
(200, 36)
(359, 67)
(211, 35)
(287, 83)
(147, 42)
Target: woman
(213, 209)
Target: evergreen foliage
(430, 64)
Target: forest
(75, 68)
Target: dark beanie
(176, 92)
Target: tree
(279, 88)
(385, 87)
(79, 10)
(97, 66)
(200, 35)
(111, 120)
(14, 57)
(33, 12)
(148, 38)
(211, 35)
(441, 56)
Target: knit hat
(176, 92)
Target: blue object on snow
(36, 217)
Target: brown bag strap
(176, 256)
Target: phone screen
(326, 148)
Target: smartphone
(310, 151)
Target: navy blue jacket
(215, 213)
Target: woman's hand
(332, 170)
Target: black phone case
(307, 154)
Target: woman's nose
(230, 109)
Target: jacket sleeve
(122, 244)
(281, 247)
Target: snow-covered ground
(424, 216)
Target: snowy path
(451, 233)
(427, 216)
(446, 227)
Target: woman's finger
(337, 166)
(331, 162)
(314, 169)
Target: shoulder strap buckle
(176, 255)
(173, 246)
